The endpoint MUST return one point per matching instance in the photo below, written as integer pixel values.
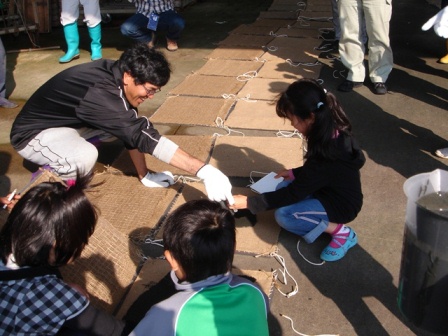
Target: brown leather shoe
(171, 45)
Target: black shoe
(380, 88)
(348, 86)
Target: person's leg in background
(173, 24)
(351, 46)
(136, 28)
(3, 101)
(92, 15)
(377, 17)
(69, 21)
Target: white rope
(220, 22)
(325, 47)
(319, 19)
(234, 97)
(256, 59)
(341, 73)
(289, 134)
(296, 64)
(186, 179)
(271, 48)
(304, 258)
(275, 35)
(251, 179)
(299, 333)
(247, 76)
(301, 4)
(284, 271)
(158, 242)
(220, 124)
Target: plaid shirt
(146, 7)
(36, 303)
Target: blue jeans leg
(307, 218)
(136, 28)
(172, 23)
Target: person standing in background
(69, 20)
(377, 15)
(152, 16)
(3, 101)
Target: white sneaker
(443, 153)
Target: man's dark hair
(201, 236)
(49, 215)
(145, 65)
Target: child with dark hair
(199, 242)
(325, 193)
(48, 227)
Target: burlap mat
(287, 7)
(155, 269)
(254, 234)
(106, 268)
(295, 56)
(255, 41)
(297, 32)
(236, 53)
(264, 88)
(224, 67)
(285, 15)
(273, 23)
(239, 156)
(315, 25)
(128, 205)
(199, 146)
(256, 115)
(319, 7)
(207, 86)
(185, 110)
(253, 30)
(279, 68)
(325, 15)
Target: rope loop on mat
(288, 134)
(304, 258)
(299, 333)
(296, 64)
(247, 76)
(186, 179)
(338, 72)
(251, 179)
(271, 48)
(256, 59)
(301, 4)
(220, 124)
(284, 272)
(319, 19)
(271, 33)
(234, 97)
(324, 48)
(158, 242)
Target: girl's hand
(286, 174)
(9, 204)
(240, 202)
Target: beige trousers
(377, 15)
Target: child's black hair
(305, 97)
(50, 225)
(201, 236)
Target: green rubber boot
(95, 45)
(72, 39)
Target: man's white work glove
(158, 180)
(217, 185)
(440, 23)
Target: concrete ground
(398, 132)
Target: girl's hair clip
(70, 183)
(319, 104)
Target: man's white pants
(377, 15)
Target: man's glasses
(150, 92)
